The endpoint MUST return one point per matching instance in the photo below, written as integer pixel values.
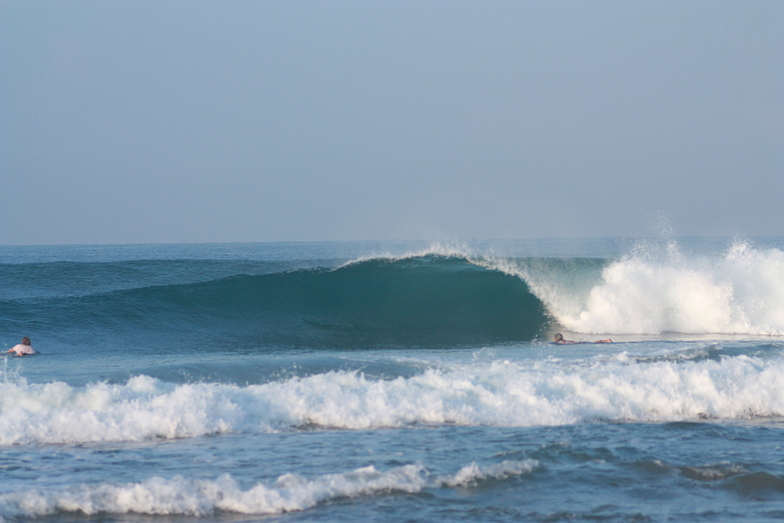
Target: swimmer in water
(22, 349)
(559, 340)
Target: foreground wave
(180, 496)
(495, 394)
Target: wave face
(427, 300)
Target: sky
(249, 121)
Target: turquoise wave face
(425, 301)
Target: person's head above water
(558, 337)
(22, 349)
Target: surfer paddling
(559, 340)
(22, 349)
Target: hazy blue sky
(168, 121)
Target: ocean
(394, 381)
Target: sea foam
(192, 497)
(739, 292)
(498, 393)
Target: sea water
(394, 381)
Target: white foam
(181, 496)
(473, 474)
(496, 393)
(740, 292)
(191, 497)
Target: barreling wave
(426, 300)
(436, 298)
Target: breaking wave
(499, 393)
(194, 497)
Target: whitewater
(371, 381)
